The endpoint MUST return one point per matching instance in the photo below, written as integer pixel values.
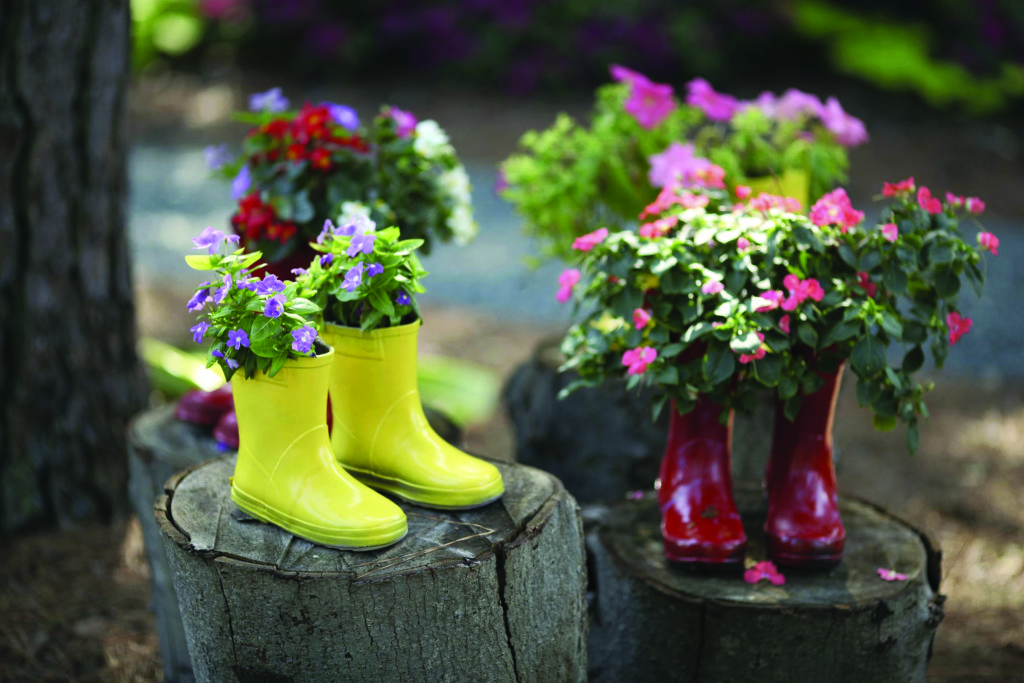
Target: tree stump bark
(601, 442)
(652, 621)
(159, 447)
(495, 594)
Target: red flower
(958, 326)
(276, 129)
(321, 159)
(295, 152)
(253, 217)
(928, 202)
(893, 189)
(865, 283)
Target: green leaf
(695, 331)
(870, 260)
(884, 423)
(672, 350)
(669, 375)
(303, 307)
(200, 261)
(891, 325)
(658, 406)
(914, 333)
(947, 284)
(913, 361)
(913, 436)
(867, 392)
(788, 386)
(807, 334)
(380, 301)
(847, 254)
(277, 364)
(975, 278)
(747, 343)
(940, 253)
(868, 356)
(841, 332)
(792, 407)
(768, 369)
(720, 364)
(895, 278)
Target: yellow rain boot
(795, 183)
(380, 433)
(286, 473)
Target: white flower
(352, 210)
(431, 141)
(455, 184)
(462, 225)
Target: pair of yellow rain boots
(292, 473)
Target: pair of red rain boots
(700, 523)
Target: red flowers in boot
(803, 526)
(699, 520)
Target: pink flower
(975, 205)
(712, 287)
(590, 240)
(891, 575)
(865, 283)
(954, 200)
(717, 106)
(566, 282)
(742, 244)
(890, 232)
(742, 192)
(756, 355)
(989, 241)
(658, 228)
(774, 298)
(670, 196)
(928, 202)
(800, 291)
(794, 104)
(764, 570)
(641, 318)
(675, 166)
(893, 189)
(638, 359)
(958, 326)
(709, 176)
(849, 130)
(784, 323)
(764, 202)
(649, 103)
(635, 495)
(835, 209)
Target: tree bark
(69, 376)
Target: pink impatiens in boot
(638, 359)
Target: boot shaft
(372, 368)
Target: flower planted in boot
(699, 520)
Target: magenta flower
(649, 103)
(760, 353)
(893, 189)
(742, 244)
(784, 323)
(774, 298)
(890, 232)
(353, 277)
(237, 339)
(835, 209)
(794, 104)
(343, 115)
(891, 575)
(274, 307)
(658, 228)
(677, 166)
(800, 291)
(669, 197)
(375, 269)
(624, 75)
(566, 282)
(865, 283)
(989, 241)
(849, 130)
(975, 205)
(270, 284)
(928, 202)
(361, 244)
(764, 571)
(303, 339)
(590, 240)
(743, 192)
(270, 101)
(638, 359)
(198, 330)
(712, 287)
(403, 299)
(240, 185)
(717, 106)
(641, 318)
(954, 200)
(216, 156)
(764, 202)
(635, 495)
(233, 364)
(958, 326)
(405, 122)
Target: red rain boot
(804, 528)
(699, 520)
(204, 408)
(226, 431)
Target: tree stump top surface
(874, 539)
(201, 510)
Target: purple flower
(269, 285)
(216, 156)
(676, 165)
(717, 106)
(274, 307)
(237, 339)
(360, 225)
(849, 130)
(270, 101)
(210, 239)
(198, 330)
(199, 298)
(232, 364)
(353, 277)
(375, 269)
(361, 243)
(328, 231)
(303, 339)
(298, 271)
(501, 182)
(240, 185)
(343, 115)
(326, 259)
(403, 299)
(223, 290)
(405, 122)
(795, 103)
(649, 103)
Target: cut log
(494, 594)
(159, 447)
(653, 621)
(601, 442)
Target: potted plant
(365, 283)
(260, 333)
(725, 298)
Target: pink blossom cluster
(677, 166)
(865, 283)
(590, 240)
(641, 317)
(764, 571)
(761, 352)
(989, 241)
(717, 106)
(765, 202)
(712, 287)
(835, 209)
(566, 283)
(800, 291)
(891, 575)
(930, 203)
(671, 196)
(793, 104)
(649, 103)
(638, 359)
(958, 326)
(658, 228)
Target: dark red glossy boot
(699, 520)
(804, 528)
(204, 408)
(226, 431)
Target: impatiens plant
(300, 168)
(728, 298)
(641, 138)
(365, 278)
(252, 323)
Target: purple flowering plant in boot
(364, 277)
(251, 323)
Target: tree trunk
(69, 377)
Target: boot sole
(401, 490)
(248, 505)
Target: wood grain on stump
(159, 447)
(495, 594)
(654, 621)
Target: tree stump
(494, 594)
(160, 446)
(652, 621)
(601, 442)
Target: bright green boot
(793, 182)
(286, 473)
(380, 433)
